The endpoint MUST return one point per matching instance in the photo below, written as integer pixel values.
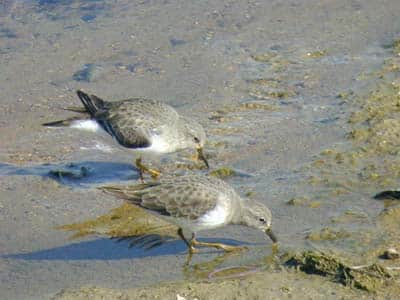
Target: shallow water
(263, 79)
(80, 174)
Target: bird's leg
(142, 169)
(226, 248)
(191, 249)
(188, 244)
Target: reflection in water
(99, 249)
(77, 174)
(109, 250)
(203, 269)
(221, 267)
(146, 242)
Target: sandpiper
(196, 202)
(139, 123)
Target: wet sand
(262, 78)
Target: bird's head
(258, 216)
(195, 137)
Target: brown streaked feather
(127, 192)
(63, 123)
(77, 109)
(133, 121)
(174, 196)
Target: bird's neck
(240, 214)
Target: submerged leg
(191, 249)
(143, 169)
(188, 244)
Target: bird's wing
(176, 198)
(132, 121)
(180, 198)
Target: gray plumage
(142, 123)
(195, 202)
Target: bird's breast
(160, 145)
(215, 217)
(88, 125)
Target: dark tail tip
(54, 124)
(87, 102)
(388, 195)
(61, 123)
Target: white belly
(215, 217)
(158, 144)
(88, 125)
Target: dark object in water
(88, 17)
(394, 195)
(176, 42)
(80, 174)
(71, 172)
(87, 74)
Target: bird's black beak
(201, 156)
(271, 235)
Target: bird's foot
(230, 248)
(143, 169)
(193, 250)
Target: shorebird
(139, 123)
(194, 203)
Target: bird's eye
(196, 140)
(262, 220)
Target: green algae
(355, 170)
(257, 105)
(123, 221)
(370, 159)
(327, 234)
(223, 172)
(250, 194)
(369, 278)
(350, 216)
(268, 95)
(230, 113)
(267, 82)
(303, 201)
(395, 46)
(264, 57)
(316, 54)
(226, 130)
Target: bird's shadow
(76, 174)
(107, 249)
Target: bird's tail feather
(81, 110)
(92, 103)
(132, 193)
(62, 123)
